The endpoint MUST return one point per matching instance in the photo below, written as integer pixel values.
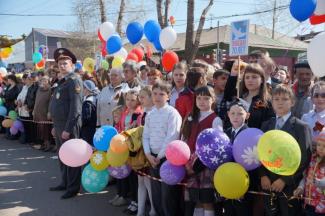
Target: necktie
(232, 136)
(279, 123)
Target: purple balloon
(213, 148)
(171, 174)
(13, 131)
(245, 148)
(18, 125)
(120, 172)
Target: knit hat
(90, 86)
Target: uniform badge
(77, 89)
(57, 95)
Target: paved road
(25, 176)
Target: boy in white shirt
(162, 125)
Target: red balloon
(139, 52)
(169, 59)
(132, 56)
(100, 37)
(103, 49)
(41, 63)
(149, 51)
(315, 20)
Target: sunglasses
(319, 95)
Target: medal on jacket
(57, 95)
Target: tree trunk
(120, 18)
(160, 13)
(189, 30)
(102, 11)
(167, 3)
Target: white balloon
(320, 8)
(106, 29)
(167, 37)
(122, 52)
(316, 55)
(3, 72)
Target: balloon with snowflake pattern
(120, 172)
(103, 137)
(94, 181)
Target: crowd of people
(191, 98)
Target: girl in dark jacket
(11, 93)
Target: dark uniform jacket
(66, 103)
(31, 97)
(89, 119)
(10, 95)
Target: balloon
(120, 172)
(178, 153)
(132, 56)
(41, 64)
(105, 64)
(94, 181)
(316, 56)
(152, 30)
(117, 62)
(37, 57)
(279, 152)
(213, 148)
(106, 29)
(171, 174)
(122, 53)
(4, 54)
(315, 20)
(244, 148)
(3, 63)
(7, 123)
(167, 37)
(139, 52)
(103, 48)
(89, 64)
(169, 59)
(78, 66)
(18, 125)
(3, 72)
(134, 32)
(75, 152)
(98, 161)
(3, 110)
(118, 144)
(13, 115)
(13, 131)
(100, 37)
(157, 45)
(114, 44)
(117, 159)
(1, 103)
(302, 10)
(7, 50)
(231, 180)
(103, 137)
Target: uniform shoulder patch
(77, 88)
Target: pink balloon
(75, 152)
(178, 153)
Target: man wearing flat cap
(65, 109)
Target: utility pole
(274, 19)
(218, 43)
(102, 11)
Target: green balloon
(1, 102)
(13, 115)
(105, 64)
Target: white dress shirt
(174, 95)
(311, 118)
(22, 111)
(161, 126)
(285, 119)
(217, 122)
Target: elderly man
(130, 71)
(65, 109)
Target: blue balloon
(114, 44)
(103, 136)
(157, 45)
(152, 30)
(134, 32)
(94, 181)
(3, 111)
(78, 66)
(301, 10)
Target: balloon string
(26, 120)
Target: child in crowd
(220, 78)
(282, 102)
(316, 118)
(312, 186)
(238, 115)
(154, 76)
(88, 113)
(162, 126)
(200, 190)
(144, 185)
(179, 78)
(281, 76)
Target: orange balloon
(4, 54)
(41, 64)
(118, 144)
(7, 123)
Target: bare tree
(191, 47)
(102, 11)
(120, 17)
(163, 17)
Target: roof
(61, 34)
(259, 36)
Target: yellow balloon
(7, 123)
(117, 159)
(4, 55)
(20, 75)
(231, 180)
(7, 50)
(89, 64)
(98, 161)
(279, 152)
(118, 144)
(117, 62)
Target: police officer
(65, 109)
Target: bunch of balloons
(314, 10)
